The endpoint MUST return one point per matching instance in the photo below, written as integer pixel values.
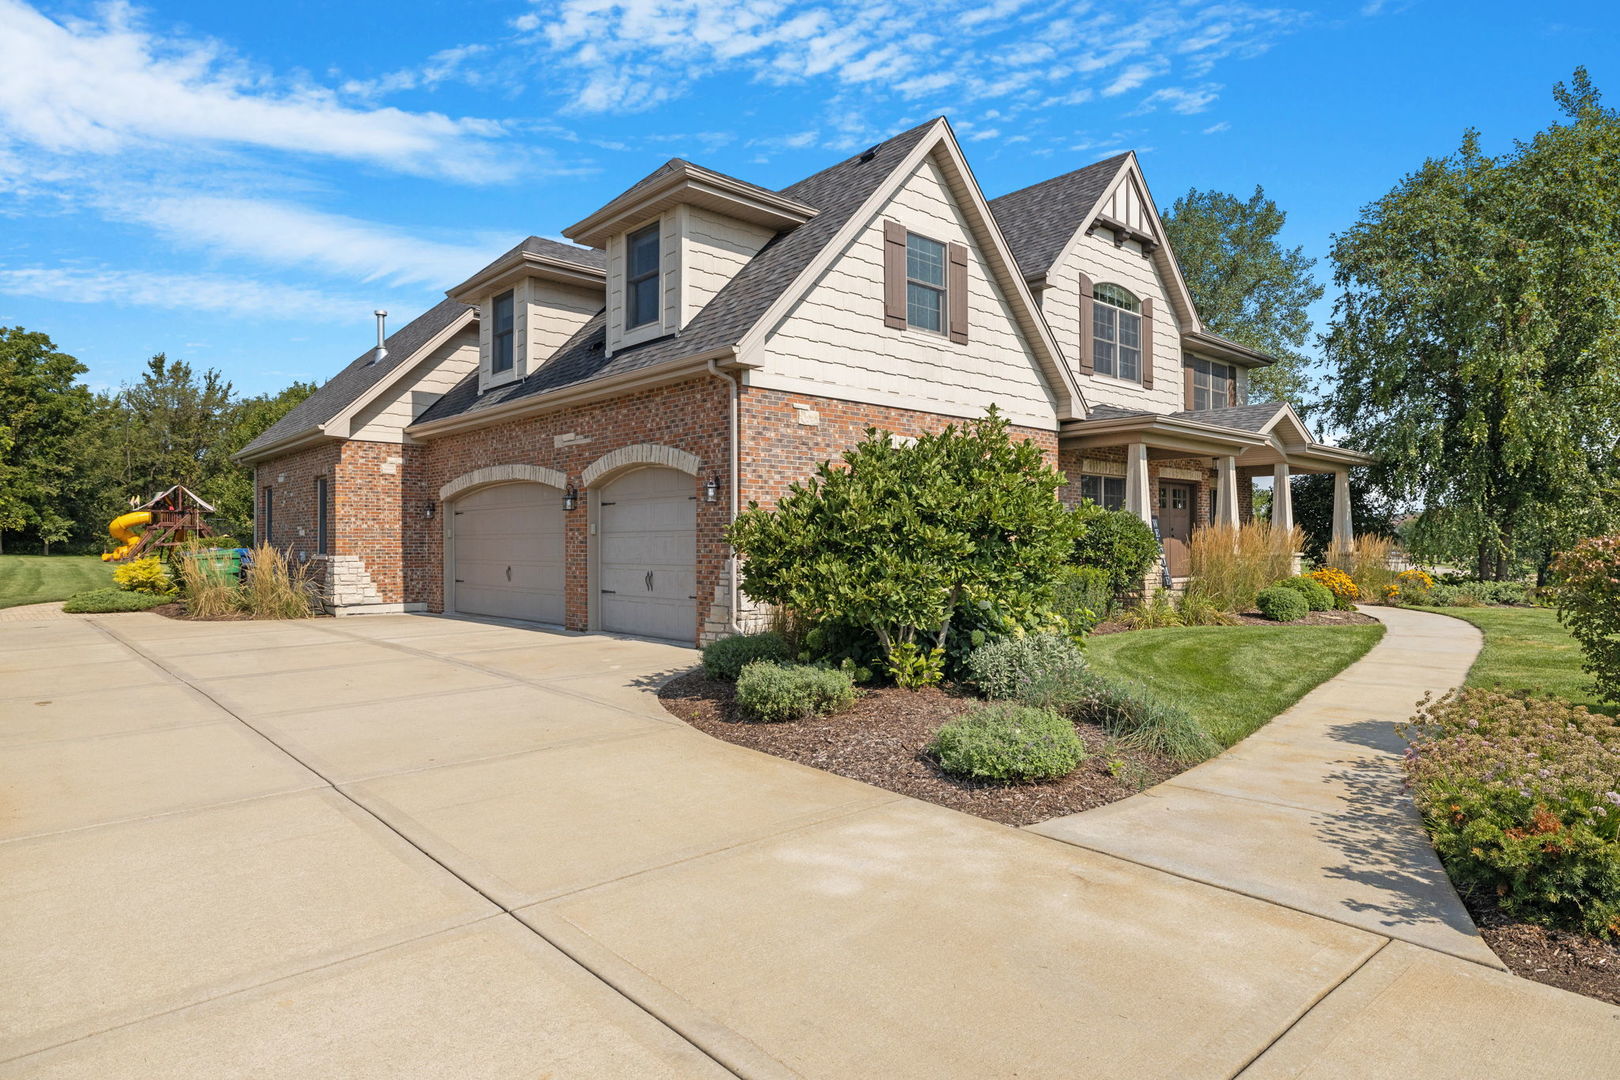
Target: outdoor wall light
(429, 509)
(570, 497)
(711, 489)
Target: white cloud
(108, 86)
(254, 300)
(1182, 99)
(1216, 129)
(287, 235)
(1131, 78)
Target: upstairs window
(641, 277)
(1116, 333)
(925, 283)
(1214, 386)
(1107, 492)
(505, 320)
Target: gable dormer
(530, 301)
(674, 240)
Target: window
(267, 522)
(1116, 333)
(501, 357)
(320, 515)
(925, 283)
(641, 277)
(1214, 386)
(1107, 492)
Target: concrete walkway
(422, 847)
(1309, 811)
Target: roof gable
(1040, 220)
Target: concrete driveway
(423, 847)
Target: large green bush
(145, 575)
(1083, 596)
(778, 692)
(1282, 604)
(1125, 711)
(1317, 596)
(1522, 797)
(98, 601)
(1002, 668)
(1115, 541)
(1008, 742)
(724, 659)
(902, 536)
(1589, 605)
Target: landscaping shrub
(98, 601)
(1194, 610)
(144, 575)
(1367, 564)
(275, 588)
(1282, 604)
(208, 594)
(1454, 596)
(1227, 567)
(1154, 614)
(1588, 577)
(1522, 797)
(1479, 593)
(1083, 596)
(1002, 668)
(1317, 597)
(1411, 587)
(777, 692)
(1338, 583)
(1125, 711)
(1008, 742)
(724, 659)
(1116, 542)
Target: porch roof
(1266, 434)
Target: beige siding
(670, 254)
(716, 247)
(1124, 266)
(385, 419)
(545, 315)
(834, 343)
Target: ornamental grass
(1229, 566)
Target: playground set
(166, 522)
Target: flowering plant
(1410, 587)
(1522, 797)
(1339, 584)
(1589, 604)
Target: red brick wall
(689, 415)
(777, 449)
(376, 517)
(292, 480)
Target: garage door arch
(644, 545)
(504, 548)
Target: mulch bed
(881, 740)
(1570, 961)
(1254, 618)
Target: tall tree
(1247, 286)
(42, 411)
(1475, 343)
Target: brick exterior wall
(291, 479)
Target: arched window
(1116, 333)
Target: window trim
(503, 342)
(1199, 368)
(1103, 482)
(1104, 297)
(322, 517)
(654, 274)
(942, 289)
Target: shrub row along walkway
(404, 846)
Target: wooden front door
(1175, 524)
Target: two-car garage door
(508, 554)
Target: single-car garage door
(509, 553)
(648, 552)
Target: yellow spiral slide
(120, 531)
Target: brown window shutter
(894, 275)
(1147, 342)
(1087, 367)
(1187, 370)
(956, 292)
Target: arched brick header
(641, 454)
(500, 474)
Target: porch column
(1282, 498)
(1137, 496)
(1226, 501)
(1344, 530)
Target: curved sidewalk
(1309, 811)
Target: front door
(1175, 524)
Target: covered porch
(1180, 472)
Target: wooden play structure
(166, 522)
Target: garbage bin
(221, 564)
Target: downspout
(731, 563)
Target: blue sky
(239, 185)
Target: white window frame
(1115, 308)
(942, 288)
(1102, 484)
(497, 336)
(656, 275)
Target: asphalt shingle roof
(538, 245)
(1039, 220)
(1242, 417)
(361, 375)
(836, 193)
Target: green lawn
(1527, 649)
(35, 579)
(1231, 678)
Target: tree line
(71, 459)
